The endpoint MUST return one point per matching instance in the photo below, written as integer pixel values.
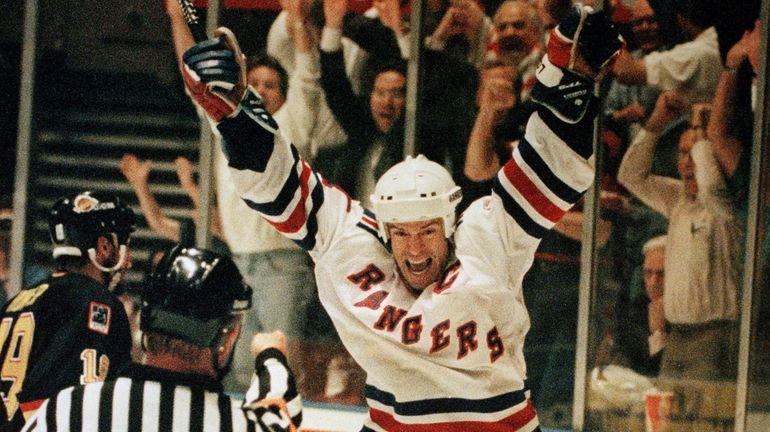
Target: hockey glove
(585, 33)
(215, 74)
(580, 50)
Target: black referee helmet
(192, 295)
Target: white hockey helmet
(416, 189)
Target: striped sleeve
(551, 168)
(273, 391)
(270, 176)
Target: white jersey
(450, 358)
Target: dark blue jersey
(65, 331)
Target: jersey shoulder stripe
(285, 195)
(369, 224)
(300, 222)
(317, 199)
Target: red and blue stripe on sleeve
(545, 177)
(293, 211)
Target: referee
(192, 312)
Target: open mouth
(419, 267)
(511, 44)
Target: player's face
(267, 82)
(388, 99)
(420, 250)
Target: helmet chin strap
(216, 349)
(113, 272)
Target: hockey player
(431, 308)
(192, 313)
(69, 329)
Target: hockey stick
(193, 22)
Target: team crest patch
(99, 316)
(87, 203)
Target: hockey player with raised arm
(431, 307)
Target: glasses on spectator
(518, 25)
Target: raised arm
(496, 97)
(374, 37)
(629, 70)
(267, 171)
(137, 174)
(184, 172)
(659, 193)
(273, 391)
(180, 33)
(554, 164)
(391, 17)
(727, 147)
(340, 97)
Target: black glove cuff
(247, 142)
(267, 354)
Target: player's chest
(455, 317)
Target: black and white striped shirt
(146, 399)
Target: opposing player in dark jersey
(192, 313)
(69, 329)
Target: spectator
(179, 231)
(296, 32)
(515, 58)
(551, 12)
(518, 35)
(70, 328)
(380, 37)
(374, 124)
(443, 121)
(702, 263)
(692, 67)
(730, 124)
(192, 316)
(462, 32)
(641, 327)
(627, 105)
